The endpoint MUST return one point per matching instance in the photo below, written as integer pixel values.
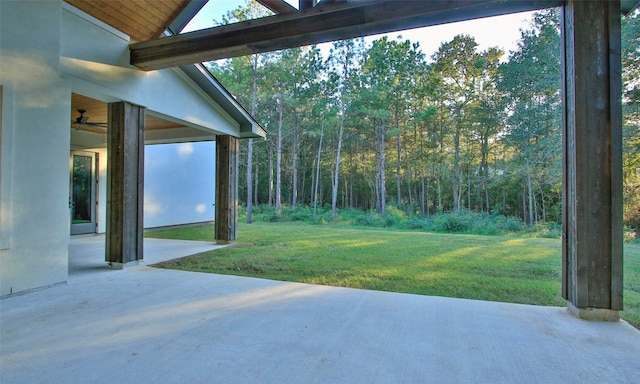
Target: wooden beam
(317, 25)
(125, 183)
(278, 6)
(226, 222)
(592, 194)
(304, 5)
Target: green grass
(496, 268)
(632, 284)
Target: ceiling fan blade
(101, 125)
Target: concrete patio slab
(148, 325)
(86, 252)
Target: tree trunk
(317, 177)
(398, 167)
(294, 165)
(380, 168)
(254, 93)
(543, 205)
(524, 200)
(270, 176)
(485, 171)
(279, 160)
(457, 173)
(255, 186)
(530, 194)
(351, 172)
(422, 194)
(249, 180)
(336, 175)
(409, 187)
(469, 192)
(303, 184)
(439, 181)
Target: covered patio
(144, 324)
(185, 327)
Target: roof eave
(627, 6)
(249, 128)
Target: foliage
(458, 133)
(631, 128)
(465, 221)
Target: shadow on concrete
(149, 325)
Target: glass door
(82, 193)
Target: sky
(501, 31)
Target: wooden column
(592, 141)
(125, 183)
(226, 221)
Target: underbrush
(463, 222)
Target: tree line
(383, 123)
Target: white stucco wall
(179, 184)
(48, 52)
(96, 62)
(35, 140)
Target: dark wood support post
(592, 226)
(226, 221)
(125, 183)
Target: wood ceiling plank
(142, 14)
(105, 12)
(140, 19)
(96, 111)
(161, 11)
(317, 25)
(178, 7)
(115, 16)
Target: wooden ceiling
(96, 112)
(140, 19)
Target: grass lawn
(496, 268)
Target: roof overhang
(327, 21)
(249, 128)
(626, 6)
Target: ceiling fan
(83, 121)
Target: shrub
(629, 235)
(419, 222)
(479, 223)
(299, 213)
(451, 222)
(351, 215)
(548, 230)
(512, 224)
(372, 219)
(487, 228)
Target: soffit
(96, 112)
(140, 19)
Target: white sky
(501, 31)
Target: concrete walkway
(147, 325)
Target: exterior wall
(47, 52)
(96, 62)
(35, 153)
(179, 184)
